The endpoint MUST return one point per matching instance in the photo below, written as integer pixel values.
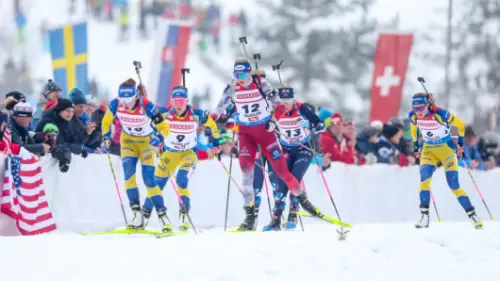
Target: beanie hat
(77, 97)
(50, 128)
(225, 138)
(325, 113)
(51, 86)
(16, 95)
(335, 119)
(63, 104)
(390, 131)
(23, 109)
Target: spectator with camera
(472, 155)
(72, 136)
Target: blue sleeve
(309, 114)
(411, 116)
(201, 115)
(113, 106)
(444, 114)
(151, 110)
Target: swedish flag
(68, 47)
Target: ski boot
(164, 221)
(147, 215)
(138, 220)
(291, 224)
(424, 220)
(249, 223)
(476, 221)
(275, 224)
(308, 206)
(183, 217)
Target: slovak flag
(170, 55)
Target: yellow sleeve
(107, 120)
(413, 130)
(163, 128)
(458, 123)
(213, 126)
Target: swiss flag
(391, 63)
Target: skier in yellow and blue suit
(136, 115)
(438, 146)
(180, 147)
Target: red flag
(28, 205)
(391, 64)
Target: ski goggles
(179, 101)
(419, 108)
(241, 75)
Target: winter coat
(93, 140)
(20, 135)
(70, 133)
(388, 153)
(338, 148)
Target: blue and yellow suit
(181, 151)
(438, 146)
(135, 137)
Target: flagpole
(448, 54)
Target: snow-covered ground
(450, 251)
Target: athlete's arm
(453, 120)
(270, 93)
(210, 124)
(160, 123)
(109, 115)
(309, 114)
(413, 128)
(225, 100)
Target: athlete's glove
(271, 125)
(155, 141)
(416, 152)
(106, 143)
(318, 128)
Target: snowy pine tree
(327, 47)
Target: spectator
(51, 93)
(12, 98)
(334, 145)
(116, 131)
(387, 151)
(489, 148)
(81, 121)
(471, 154)
(367, 140)
(61, 116)
(19, 124)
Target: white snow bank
(451, 251)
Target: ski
(240, 230)
(327, 219)
(126, 231)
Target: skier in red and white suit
(254, 98)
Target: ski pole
(229, 177)
(299, 144)
(171, 179)
(138, 66)
(243, 41)
(276, 67)
(117, 188)
(265, 183)
(435, 206)
(256, 58)
(327, 187)
(477, 189)
(183, 71)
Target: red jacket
(338, 149)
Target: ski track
(448, 251)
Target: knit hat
(225, 138)
(16, 95)
(180, 92)
(325, 113)
(77, 97)
(469, 132)
(92, 100)
(50, 128)
(23, 109)
(334, 120)
(390, 131)
(63, 104)
(50, 86)
(370, 131)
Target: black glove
(63, 166)
(57, 152)
(39, 138)
(85, 153)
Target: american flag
(22, 195)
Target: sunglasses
(241, 75)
